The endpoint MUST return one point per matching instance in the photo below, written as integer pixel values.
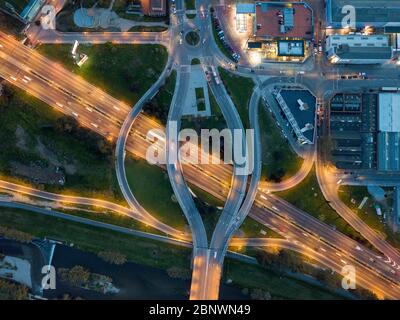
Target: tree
(113, 257)
(328, 277)
(15, 235)
(178, 273)
(259, 294)
(12, 291)
(365, 294)
(78, 276)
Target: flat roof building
(389, 132)
(389, 112)
(299, 107)
(293, 48)
(375, 13)
(358, 49)
(283, 19)
(245, 8)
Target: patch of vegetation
(81, 277)
(240, 90)
(190, 15)
(179, 273)
(205, 196)
(110, 218)
(192, 38)
(285, 260)
(201, 106)
(112, 257)
(148, 29)
(279, 286)
(253, 229)
(12, 291)
(151, 187)
(158, 107)
(209, 213)
(278, 159)
(308, 197)
(352, 196)
(190, 4)
(40, 139)
(195, 61)
(124, 71)
(16, 235)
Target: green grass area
(201, 106)
(190, 15)
(352, 197)
(195, 61)
(135, 17)
(110, 218)
(158, 107)
(199, 93)
(279, 286)
(278, 159)
(205, 196)
(240, 89)
(190, 4)
(253, 229)
(308, 197)
(155, 254)
(192, 38)
(124, 71)
(151, 187)
(29, 137)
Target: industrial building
(353, 129)
(358, 49)
(389, 132)
(375, 13)
(299, 109)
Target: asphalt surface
(14, 63)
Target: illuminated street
(318, 191)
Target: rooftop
(296, 19)
(304, 117)
(389, 151)
(368, 12)
(364, 53)
(389, 112)
(245, 8)
(291, 48)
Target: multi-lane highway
(102, 113)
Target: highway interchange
(377, 270)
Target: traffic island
(192, 38)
